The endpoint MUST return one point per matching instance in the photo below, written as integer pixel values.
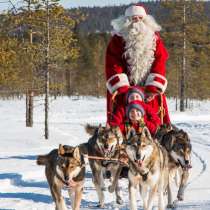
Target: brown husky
(104, 143)
(148, 170)
(64, 167)
(178, 145)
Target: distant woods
(78, 40)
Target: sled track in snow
(203, 143)
(202, 161)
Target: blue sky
(76, 3)
(72, 3)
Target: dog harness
(161, 111)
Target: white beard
(140, 45)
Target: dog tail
(42, 160)
(90, 129)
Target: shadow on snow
(16, 179)
(28, 196)
(24, 157)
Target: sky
(76, 3)
(4, 4)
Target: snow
(22, 183)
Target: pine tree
(184, 37)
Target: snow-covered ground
(22, 183)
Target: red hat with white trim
(135, 10)
(156, 83)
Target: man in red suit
(136, 55)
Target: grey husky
(178, 145)
(148, 170)
(104, 142)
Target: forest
(68, 47)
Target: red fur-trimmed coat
(116, 65)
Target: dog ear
(185, 136)
(90, 129)
(61, 150)
(146, 133)
(100, 128)
(170, 142)
(76, 153)
(182, 135)
(68, 149)
(119, 134)
(131, 133)
(107, 126)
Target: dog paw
(171, 206)
(103, 188)
(180, 197)
(101, 206)
(111, 189)
(119, 201)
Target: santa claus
(136, 55)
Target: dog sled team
(136, 147)
(139, 142)
(151, 166)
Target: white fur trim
(135, 10)
(123, 81)
(150, 81)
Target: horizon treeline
(78, 41)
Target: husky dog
(163, 129)
(64, 167)
(148, 170)
(105, 142)
(178, 145)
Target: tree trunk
(186, 103)
(68, 83)
(27, 109)
(98, 84)
(31, 108)
(176, 103)
(47, 74)
(183, 69)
